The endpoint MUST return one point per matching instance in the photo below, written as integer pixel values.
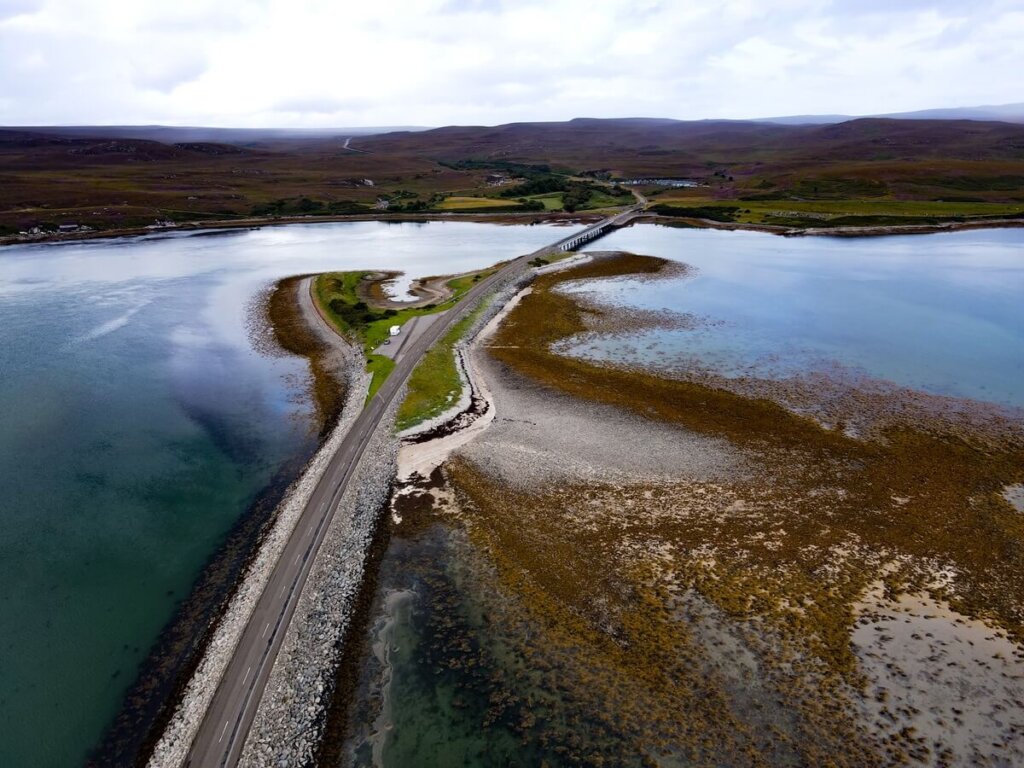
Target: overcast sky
(320, 63)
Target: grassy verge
(435, 384)
(459, 285)
(381, 367)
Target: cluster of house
(498, 179)
(62, 229)
(662, 182)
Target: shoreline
(868, 231)
(220, 226)
(161, 682)
(224, 226)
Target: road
(224, 728)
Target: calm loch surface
(138, 423)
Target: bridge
(226, 723)
(595, 231)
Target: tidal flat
(633, 567)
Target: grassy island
(342, 298)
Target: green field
(473, 203)
(552, 200)
(599, 200)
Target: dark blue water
(137, 423)
(941, 313)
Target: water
(137, 423)
(454, 671)
(939, 313)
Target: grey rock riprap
(172, 748)
(291, 715)
(290, 720)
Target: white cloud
(433, 62)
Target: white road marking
(265, 630)
(247, 671)
(222, 732)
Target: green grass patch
(338, 297)
(381, 367)
(552, 201)
(434, 384)
(711, 212)
(463, 283)
(599, 202)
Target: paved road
(226, 724)
(412, 330)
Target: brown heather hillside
(915, 158)
(53, 176)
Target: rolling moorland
(862, 172)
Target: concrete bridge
(597, 230)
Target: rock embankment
(290, 719)
(172, 748)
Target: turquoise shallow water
(137, 423)
(941, 313)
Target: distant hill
(642, 147)
(1007, 113)
(170, 134)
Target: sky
(339, 63)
